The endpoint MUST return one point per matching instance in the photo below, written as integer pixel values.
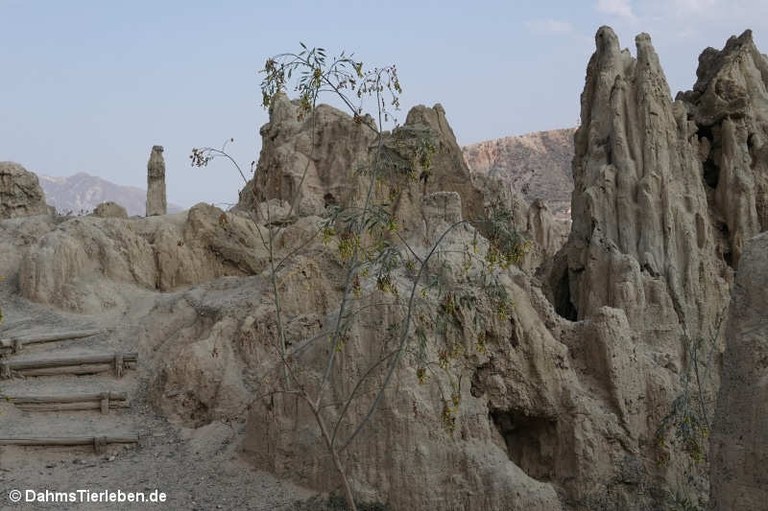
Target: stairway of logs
(64, 395)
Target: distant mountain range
(80, 193)
(537, 164)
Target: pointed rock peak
(646, 53)
(433, 118)
(607, 49)
(712, 61)
(736, 43)
(606, 39)
(281, 108)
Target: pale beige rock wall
(20, 192)
(740, 433)
(78, 265)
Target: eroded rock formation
(729, 106)
(570, 393)
(110, 210)
(156, 200)
(309, 171)
(79, 265)
(643, 243)
(740, 432)
(20, 192)
(642, 239)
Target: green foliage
(378, 264)
(687, 427)
(679, 501)
(342, 76)
(507, 245)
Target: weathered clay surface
(78, 265)
(563, 395)
(407, 436)
(729, 105)
(642, 239)
(20, 192)
(644, 242)
(110, 210)
(156, 199)
(304, 166)
(311, 172)
(740, 432)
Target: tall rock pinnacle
(641, 238)
(156, 201)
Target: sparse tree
(379, 265)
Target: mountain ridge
(537, 164)
(82, 192)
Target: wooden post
(82, 364)
(119, 365)
(105, 403)
(70, 441)
(99, 444)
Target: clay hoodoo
(729, 106)
(156, 200)
(310, 172)
(573, 395)
(20, 192)
(644, 244)
(642, 239)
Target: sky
(91, 86)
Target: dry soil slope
(537, 164)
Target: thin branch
(404, 337)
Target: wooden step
(15, 344)
(73, 365)
(98, 442)
(103, 401)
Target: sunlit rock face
(729, 108)
(578, 393)
(20, 192)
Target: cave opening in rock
(710, 167)
(562, 298)
(711, 173)
(726, 240)
(531, 441)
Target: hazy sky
(91, 86)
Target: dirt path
(196, 469)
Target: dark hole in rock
(752, 150)
(726, 237)
(728, 258)
(330, 200)
(562, 298)
(711, 173)
(513, 340)
(531, 441)
(477, 385)
(711, 170)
